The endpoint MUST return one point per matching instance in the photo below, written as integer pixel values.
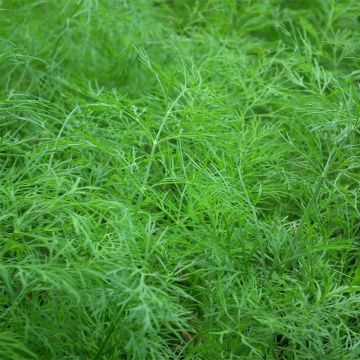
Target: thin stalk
(154, 147)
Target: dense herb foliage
(179, 179)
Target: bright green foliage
(179, 179)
